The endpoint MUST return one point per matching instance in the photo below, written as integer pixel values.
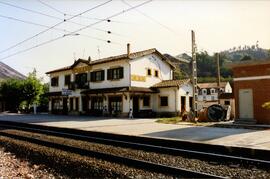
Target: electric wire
(74, 32)
(151, 18)
(51, 16)
(67, 14)
(51, 7)
(29, 38)
(59, 29)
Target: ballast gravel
(215, 168)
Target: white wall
(187, 91)
(111, 83)
(61, 80)
(228, 88)
(139, 67)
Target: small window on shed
(227, 102)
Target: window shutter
(102, 75)
(92, 77)
(121, 72)
(109, 74)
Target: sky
(43, 40)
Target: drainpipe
(175, 94)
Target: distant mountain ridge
(6, 72)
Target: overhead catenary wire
(74, 32)
(59, 29)
(51, 16)
(57, 24)
(151, 18)
(55, 17)
(67, 14)
(51, 7)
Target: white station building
(141, 82)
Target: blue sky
(160, 24)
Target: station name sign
(66, 92)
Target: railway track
(124, 141)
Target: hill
(255, 53)
(6, 72)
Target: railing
(74, 86)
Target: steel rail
(139, 164)
(60, 132)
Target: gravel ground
(229, 170)
(72, 165)
(12, 167)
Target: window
(156, 73)
(227, 102)
(81, 80)
(67, 80)
(54, 81)
(204, 98)
(213, 91)
(163, 101)
(115, 104)
(149, 72)
(70, 104)
(115, 73)
(76, 104)
(212, 98)
(97, 103)
(204, 91)
(97, 76)
(146, 101)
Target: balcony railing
(74, 86)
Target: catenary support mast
(194, 75)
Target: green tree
(11, 92)
(266, 105)
(245, 58)
(32, 89)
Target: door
(183, 103)
(135, 101)
(65, 107)
(246, 104)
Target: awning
(57, 93)
(119, 90)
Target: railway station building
(140, 83)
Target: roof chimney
(128, 49)
(89, 59)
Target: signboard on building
(66, 92)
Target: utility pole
(218, 75)
(194, 74)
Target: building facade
(140, 83)
(252, 90)
(209, 93)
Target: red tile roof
(171, 83)
(116, 58)
(211, 85)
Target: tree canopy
(22, 93)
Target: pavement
(251, 138)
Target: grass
(169, 120)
